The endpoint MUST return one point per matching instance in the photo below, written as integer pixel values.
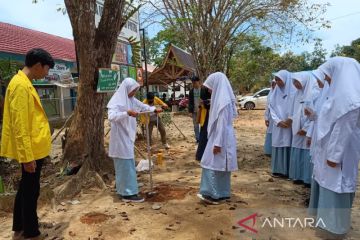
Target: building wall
(131, 28)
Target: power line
(347, 15)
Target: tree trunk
(85, 140)
(95, 47)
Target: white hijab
(322, 97)
(271, 92)
(121, 102)
(221, 96)
(343, 95)
(319, 75)
(310, 90)
(283, 108)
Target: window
(132, 26)
(264, 93)
(163, 88)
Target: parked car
(256, 101)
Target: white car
(256, 101)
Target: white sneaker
(166, 146)
(208, 199)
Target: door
(262, 98)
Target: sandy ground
(101, 215)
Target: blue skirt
(308, 168)
(280, 159)
(334, 209)
(215, 184)
(296, 167)
(300, 165)
(268, 145)
(125, 177)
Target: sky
(343, 14)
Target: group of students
(217, 148)
(313, 136)
(313, 121)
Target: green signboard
(108, 80)
(132, 72)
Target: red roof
(19, 40)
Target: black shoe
(307, 202)
(133, 198)
(298, 182)
(277, 175)
(224, 198)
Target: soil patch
(166, 192)
(95, 217)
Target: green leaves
(348, 51)
(8, 69)
(136, 49)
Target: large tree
(253, 63)
(95, 46)
(352, 50)
(210, 26)
(157, 46)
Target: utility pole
(145, 60)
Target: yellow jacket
(26, 131)
(201, 115)
(157, 102)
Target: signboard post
(108, 80)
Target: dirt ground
(175, 212)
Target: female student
(337, 153)
(313, 111)
(219, 158)
(269, 122)
(300, 169)
(281, 102)
(123, 108)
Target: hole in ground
(166, 192)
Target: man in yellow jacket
(26, 138)
(152, 100)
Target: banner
(120, 55)
(132, 72)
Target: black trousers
(25, 216)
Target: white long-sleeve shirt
(340, 145)
(281, 137)
(222, 136)
(123, 130)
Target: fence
(58, 108)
